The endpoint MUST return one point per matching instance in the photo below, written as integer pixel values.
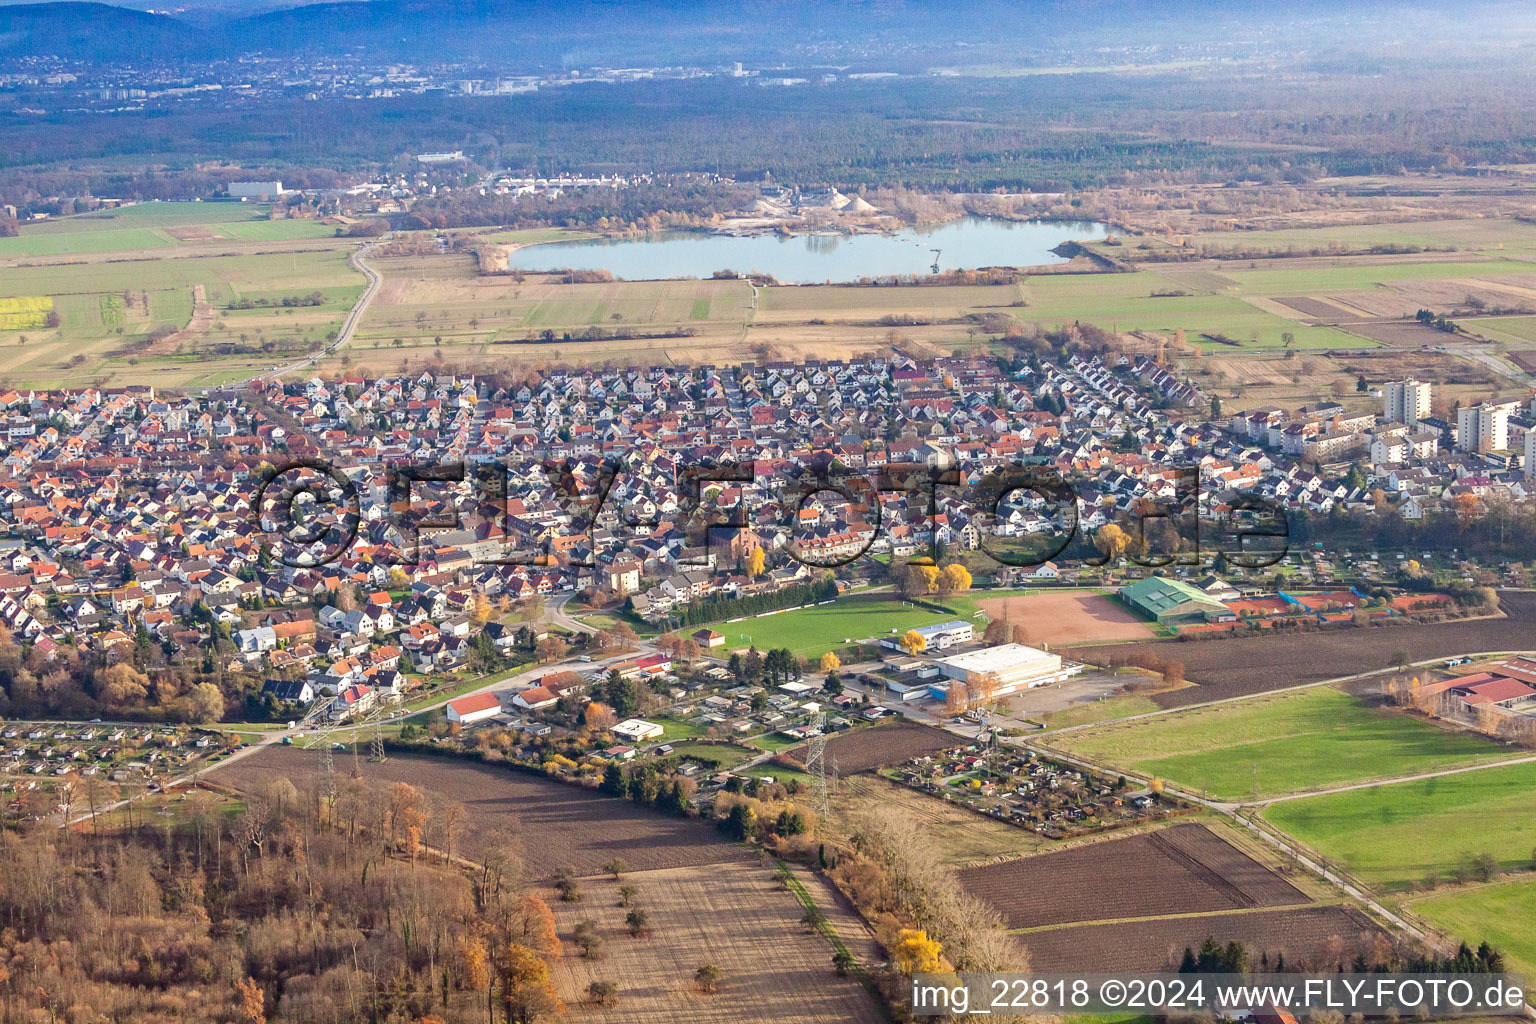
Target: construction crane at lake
(936, 254)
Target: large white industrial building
(1014, 666)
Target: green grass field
(812, 632)
(1101, 710)
(1315, 280)
(105, 308)
(75, 242)
(1517, 331)
(156, 226)
(727, 756)
(1393, 836)
(152, 215)
(1478, 234)
(1284, 743)
(1504, 914)
(533, 236)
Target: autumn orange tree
(527, 996)
(473, 963)
(599, 717)
(535, 925)
(250, 1003)
(479, 609)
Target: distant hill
(618, 33)
(90, 32)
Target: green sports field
(1278, 744)
(1504, 914)
(1393, 836)
(811, 632)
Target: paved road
(354, 317)
(277, 736)
(554, 610)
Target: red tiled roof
(477, 702)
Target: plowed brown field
(1304, 935)
(1183, 869)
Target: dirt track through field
(202, 320)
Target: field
(1178, 870)
(1268, 378)
(438, 306)
(1241, 666)
(736, 916)
(810, 632)
(889, 743)
(1221, 311)
(436, 309)
(1512, 330)
(533, 236)
(1061, 617)
(107, 309)
(1212, 305)
(1476, 234)
(1395, 836)
(1282, 743)
(1304, 935)
(24, 313)
(1501, 914)
(1100, 710)
(709, 901)
(963, 837)
(149, 226)
(553, 823)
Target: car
(585, 657)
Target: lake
(804, 259)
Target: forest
(1041, 132)
(283, 907)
